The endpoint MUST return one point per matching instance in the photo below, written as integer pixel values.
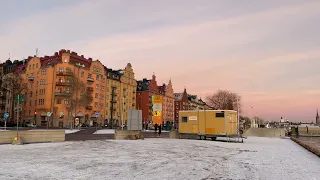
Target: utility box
(134, 120)
(209, 123)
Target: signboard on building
(193, 118)
(134, 120)
(157, 109)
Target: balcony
(89, 88)
(62, 73)
(89, 107)
(62, 93)
(30, 78)
(90, 79)
(62, 84)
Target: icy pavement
(257, 158)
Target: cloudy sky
(266, 51)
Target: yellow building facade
(120, 94)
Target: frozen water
(257, 158)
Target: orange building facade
(49, 90)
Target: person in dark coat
(159, 133)
(155, 127)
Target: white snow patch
(105, 131)
(257, 158)
(66, 131)
(70, 131)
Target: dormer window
(65, 60)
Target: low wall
(6, 137)
(174, 134)
(265, 132)
(307, 145)
(312, 131)
(123, 134)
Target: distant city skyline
(266, 51)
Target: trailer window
(219, 115)
(184, 119)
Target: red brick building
(145, 90)
(181, 103)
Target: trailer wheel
(213, 138)
(204, 137)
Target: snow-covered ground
(105, 131)
(257, 158)
(67, 131)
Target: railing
(31, 78)
(89, 107)
(63, 73)
(90, 79)
(62, 93)
(62, 83)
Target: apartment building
(168, 99)
(146, 88)
(120, 95)
(181, 103)
(57, 84)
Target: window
(58, 101)
(97, 86)
(82, 74)
(184, 119)
(68, 81)
(97, 77)
(43, 71)
(37, 65)
(96, 96)
(35, 103)
(61, 69)
(66, 101)
(32, 66)
(95, 104)
(30, 103)
(220, 115)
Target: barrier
(6, 137)
(174, 134)
(265, 132)
(124, 134)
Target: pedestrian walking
(159, 133)
(155, 128)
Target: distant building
(317, 118)
(181, 103)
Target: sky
(266, 51)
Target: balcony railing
(64, 73)
(62, 93)
(30, 78)
(90, 79)
(63, 84)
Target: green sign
(19, 98)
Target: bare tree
(76, 95)
(14, 84)
(224, 100)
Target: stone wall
(265, 132)
(6, 137)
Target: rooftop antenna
(9, 56)
(36, 52)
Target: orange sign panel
(157, 99)
(157, 120)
